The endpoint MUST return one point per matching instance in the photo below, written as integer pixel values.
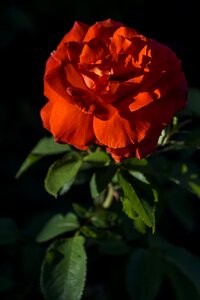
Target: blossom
(109, 85)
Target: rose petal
(45, 114)
(121, 153)
(119, 44)
(89, 103)
(119, 132)
(55, 84)
(140, 100)
(93, 51)
(141, 150)
(105, 28)
(127, 33)
(68, 124)
(76, 34)
(68, 52)
(74, 77)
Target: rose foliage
(117, 162)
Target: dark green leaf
(8, 231)
(46, 146)
(81, 211)
(61, 172)
(66, 187)
(144, 274)
(57, 225)
(183, 288)
(193, 138)
(30, 160)
(194, 101)
(179, 258)
(181, 207)
(103, 218)
(140, 207)
(146, 187)
(97, 158)
(186, 176)
(140, 226)
(100, 180)
(195, 187)
(64, 270)
(114, 247)
(129, 209)
(133, 162)
(100, 235)
(139, 175)
(187, 263)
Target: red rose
(111, 86)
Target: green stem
(109, 198)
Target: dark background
(29, 31)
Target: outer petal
(76, 34)
(131, 128)
(105, 28)
(58, 78)
(149, 144)
(121, 153)
(68, 124)
(45, 114)
(127, 33)
(119, 132)
(54, 84)
(140, 150)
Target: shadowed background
(29, 31)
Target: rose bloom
(111, 86)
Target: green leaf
(183, 288)
(57, 225)
(103, 218)
(28, 162)
(129, 209)
(144, 274)
(140, 207)
(181, 207)
(97, 158)
(186, 176)
(139, 175)
(133, 162)
(100, 180)
(100, 235)
(81, 211)
(146, 185)
(66, 187)
(8, 231)
(187, 263)
(184, 261)
(195, 187)
(63, 272)
(140, 226)
(193, 138)
(46, 146)
(114, 247)
(61, 172)
(194, 101)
